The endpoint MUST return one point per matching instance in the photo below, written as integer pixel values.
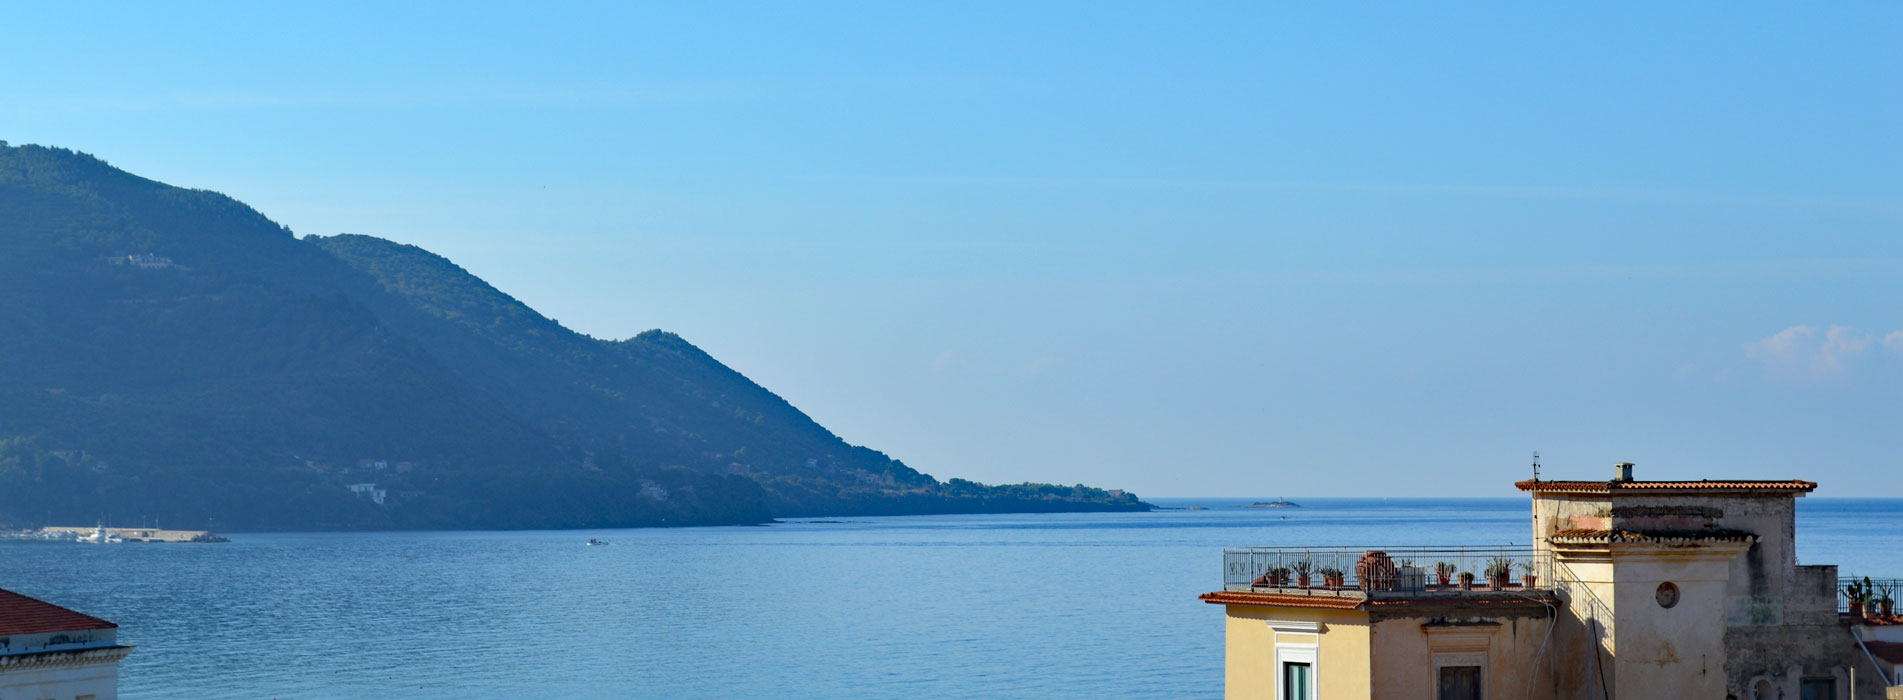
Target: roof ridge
(25, 614)
(1582, 486)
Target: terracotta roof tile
(1282, 600)
(1888, 651)
(23, 615)
(1707, 485)
(1878, 621)
(1488, 599)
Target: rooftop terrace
(1347, 577)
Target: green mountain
(172, 354)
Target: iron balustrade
(1878, 588)
(1366, 571)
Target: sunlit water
(1012, 606)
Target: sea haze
(968, 606)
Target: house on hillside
(370, 491)
(47, 651)
(1631, 589)
(145, 261)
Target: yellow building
(1631, 589)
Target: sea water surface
(979, 606)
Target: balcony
(1864, 600)
(1401, 573)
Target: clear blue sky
(1184, 249)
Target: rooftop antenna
(1536, 466)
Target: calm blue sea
(1011, 606)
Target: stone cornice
(66, 657)
(1601, 552)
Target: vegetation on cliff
(173, 354)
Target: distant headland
(173, 354)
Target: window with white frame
(1296, 660)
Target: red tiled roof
(1281, 600)
(1652, 535)
(1888, 651)
(1878, 621)
(23, 615)
(1485, 600)
(1707, 485)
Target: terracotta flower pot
(1466, 582)
(1332, 581)
(1301, 581)
(1887, 606)
(1528, 580)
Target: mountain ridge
(174, 353)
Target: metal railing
(1596, 615)
(1873, 590)
(1375, 571)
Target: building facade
(1631, 589)
(51, 653)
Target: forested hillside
(173, 353)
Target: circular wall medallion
(1668, 594)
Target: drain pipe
(1887, 681)
(1550, 624)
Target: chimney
(1622, 471)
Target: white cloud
(1894, 341)
(1800, 352)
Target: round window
(1668, 594)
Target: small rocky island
(1277, 503)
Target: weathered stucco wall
(92, 674)
(1807, 642)
(1341, 646)
(1760, 578)
(1555, 512)
(1677, 651)
(1779, 619)
(1514, 652)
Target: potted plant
(1444, 572)
(1854, 595)
(1498, 570)
(1527, 577)
(1331, 577)
(1278, 576)
(1376, 571)
(1302, 568)
(1466, 580)
(1885, 604)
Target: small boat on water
(100, 536)
(1277, 503)
(592, 542)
